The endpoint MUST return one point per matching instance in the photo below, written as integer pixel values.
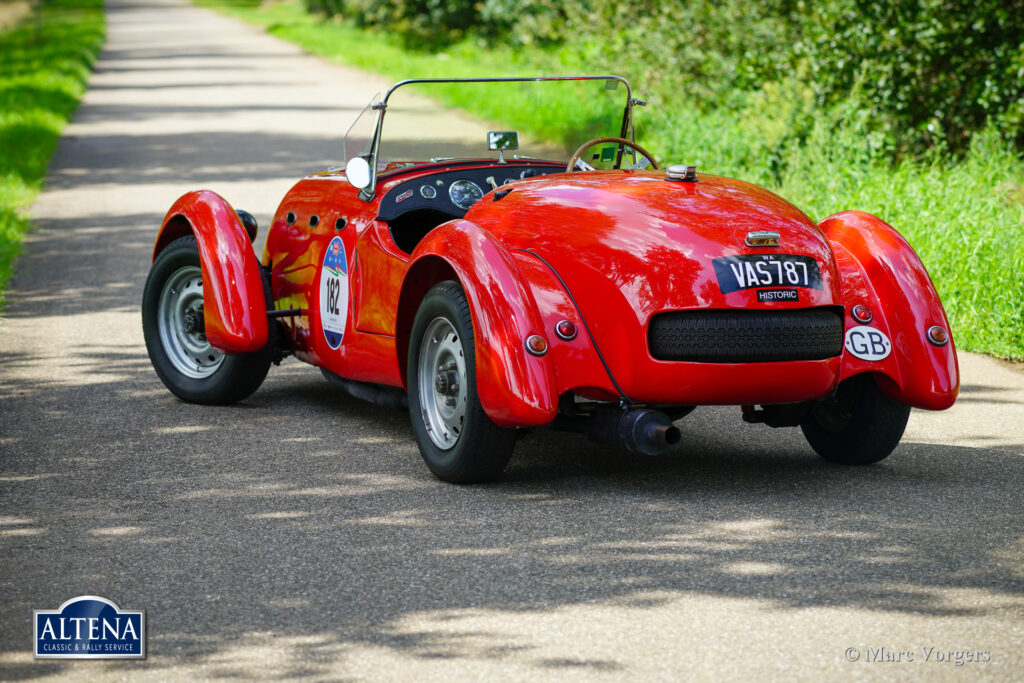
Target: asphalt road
(299, 534)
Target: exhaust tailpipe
(639, 430)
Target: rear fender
(234, 306)
(879, 269)
(515, 388)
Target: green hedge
(424, 24)
(931, 72)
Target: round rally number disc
(334, 293)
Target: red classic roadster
(492, 291)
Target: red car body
(606, 250)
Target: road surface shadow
(309, 515)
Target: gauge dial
(428, 192)
(464, 193)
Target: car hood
(631, 244)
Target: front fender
(515, 388)
(234, 306)
(880, 269)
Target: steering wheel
(576, 161)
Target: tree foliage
(934, 70)
(422, 24)
(931, 71)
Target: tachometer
(464, 193)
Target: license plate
(753, 271)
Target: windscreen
(427, 122)
(360, 133)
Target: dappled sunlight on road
(69, 359)
(989, 410)
(543, 573)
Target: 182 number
(333, 292)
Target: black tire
(175, 345)
(858, 426)
(466, 448)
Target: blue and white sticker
(334, 293)
(867, 343)
(89, 627)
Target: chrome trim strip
(762, 238)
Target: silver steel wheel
(180, 321)
(442, 383)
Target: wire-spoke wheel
(173, 325)
(457, 440)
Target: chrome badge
(762, 238)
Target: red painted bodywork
(234, 306)
(515, 388)
(880, 270)
(629, 245)
(604, 249)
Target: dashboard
(455, 191)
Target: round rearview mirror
(357, 172)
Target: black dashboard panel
(431, 192)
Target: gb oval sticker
(867, 343)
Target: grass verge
(44, 64)
(964, 215)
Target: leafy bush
(930, 71)
(423, 24)
(934, 70)
(531, 22)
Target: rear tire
(192, 369)
(858, 426)
(457, 440)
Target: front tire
(457, 440)
(859, 425)
(172, 315)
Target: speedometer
(464, 193)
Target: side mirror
(357, 172)
(502, 139)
